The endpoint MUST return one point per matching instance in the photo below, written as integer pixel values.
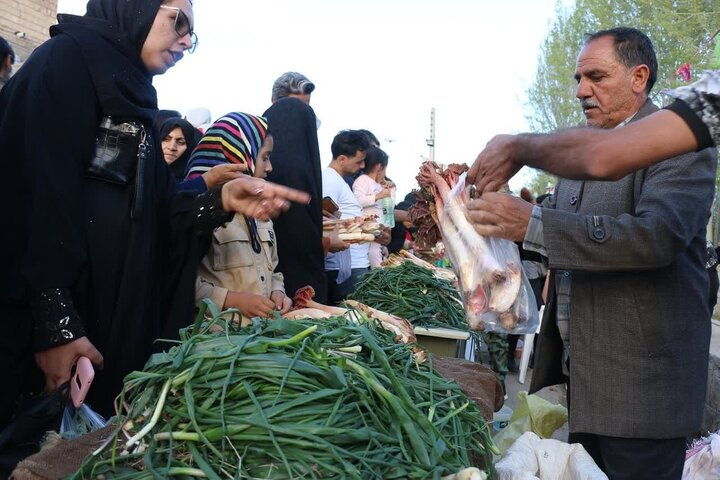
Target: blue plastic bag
(79, 421)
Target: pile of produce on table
(306, 307)
(362, 229)
(424, 213)
(328, 398)
(414, 293)
(396, 259)
(489, 270)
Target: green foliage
(680, 30)
(540, 182)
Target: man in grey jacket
(627, 324)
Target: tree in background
(541, 183)
(682, 31)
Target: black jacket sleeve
(48, 118)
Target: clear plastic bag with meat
(496, 292)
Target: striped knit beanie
(234, 138)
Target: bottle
(502, 418)
(388, 211)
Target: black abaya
(68, 231)
(296, 164)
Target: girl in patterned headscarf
(239, 269)
(234, 138)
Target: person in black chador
(178, 140)
(296, 161)
(99, 253)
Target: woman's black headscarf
(123, 84)
(191, 135)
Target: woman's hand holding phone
(57, 362)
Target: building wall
(33, 17)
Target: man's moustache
(587, 104)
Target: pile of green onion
(324, 398)
(413, 293)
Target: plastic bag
(532, 414)
(78, 422)
(34, 417)
(496, 293)
(702, 460)
(470, 473)
(532, 458)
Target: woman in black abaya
(176, 131)
(92, 227)
(296, 160)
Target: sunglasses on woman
(182, 27)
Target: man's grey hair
(632, 48)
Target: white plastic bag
(532, 458)
(703, 459)
(497, 295)
(78, 422)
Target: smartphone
(329, 205)
(81, 381)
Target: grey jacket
(639, 315)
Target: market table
(445, 342)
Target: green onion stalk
(327, 398)
(413, 293)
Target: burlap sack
(59, 458)
(476, 380)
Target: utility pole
(431, 141)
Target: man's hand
(401, 215)
(250, 304)
(258, 198)
(282, 302)
(223, 173)
(385, 236)
(56, 363)
(331, 216)
(500, 215)
(336, 243)
(495, 165)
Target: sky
(377, 64)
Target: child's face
(381, 173)
(262, 162)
